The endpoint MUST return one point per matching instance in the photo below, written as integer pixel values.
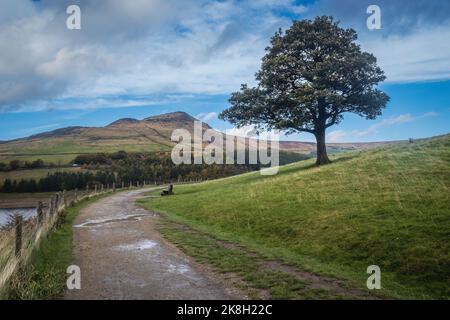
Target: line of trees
(99, 158)
(17, 165)
(159, 167)
(58, 181)
(125, 167)
(137, 171)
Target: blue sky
(163, 56)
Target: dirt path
(122, 256)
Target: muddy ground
(122, 256)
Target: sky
(146, 57)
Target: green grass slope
(388, 206)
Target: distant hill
(156, 130)
(310, 147)
(128, 134)
(131, 135)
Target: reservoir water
(8, 214)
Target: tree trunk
(322, 157)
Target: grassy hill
(151, 134)
(60, 147)
(63, 145)
(388, 206)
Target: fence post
(61, 211)
(114, 187)
(101, 189)
(53, 204)
(18, 223)
(40, 212)
(131, 185)
(95, 189)
(87, 188)
(50, 205)
(65, 198)
(59, 199)
(57, 202)
(76, 194)
(123, 184)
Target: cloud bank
(141, 52)
(342, 135)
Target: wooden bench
(168, 192)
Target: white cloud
(337, 136)
(160, 47)
(289, 5)
(419, 56)
(404, 118)
(71, 63)
(251, 132)
(205, 117)
(299, 9)
(412, 44)
(245, 131)
(343, 136)
(384, 123)
(149, 47)
(430, 114)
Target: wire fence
(21, 236)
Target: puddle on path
(170, 265)
(140, 245)
(128, 218)
(181, 268)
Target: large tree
(311, 75)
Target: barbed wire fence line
(21, 236)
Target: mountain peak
(122, 121)
(161, 124)
(172, 117)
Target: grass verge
(387, 207)
(254, 275)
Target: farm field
(35, 173)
